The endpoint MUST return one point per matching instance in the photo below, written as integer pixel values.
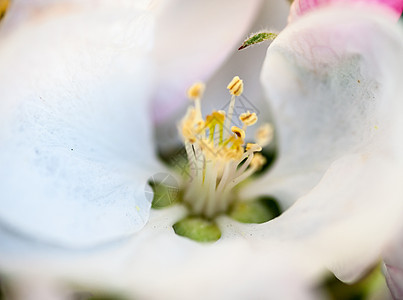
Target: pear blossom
(77, 150)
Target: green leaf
(197, 229)
(257, 211)
(258, 37)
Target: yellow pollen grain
(219, 116)
(248, 118)
(195, 91)
(253, 147)
(238, 132)
(235, 86)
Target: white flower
(76, 150)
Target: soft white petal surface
(193, 38)
(328, 89)
(333, 82)
(22, 12)
(75, 140)
(158, 264)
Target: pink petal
(394, 279)
(300, 7)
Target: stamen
(196, 91)
(238, 132)
(264, 135)
(235, 86)
(248, 119)
(253, 147)
(258, 161)
(218, 159)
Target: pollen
(253, 147)
(238, 132)
(248, 118)
(218, 157)
(235, 86)
(196, 91)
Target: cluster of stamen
(217, 154)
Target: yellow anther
(258, 161)
(217, 157)
(248, 118)
(3, 7)
(189, 125)
(253, 147)
(219, 116)
(195, 91)
(235, 86)
(216, 117)
(199, 126)
(238, 142)
(233, 153)
(187, 133)
(264, 134)
(238, 132)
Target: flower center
(218, 157)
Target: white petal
(23, 12)
(326, 97)
(75, 139)
(158, 264)
(333, 80)
(193, 39)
